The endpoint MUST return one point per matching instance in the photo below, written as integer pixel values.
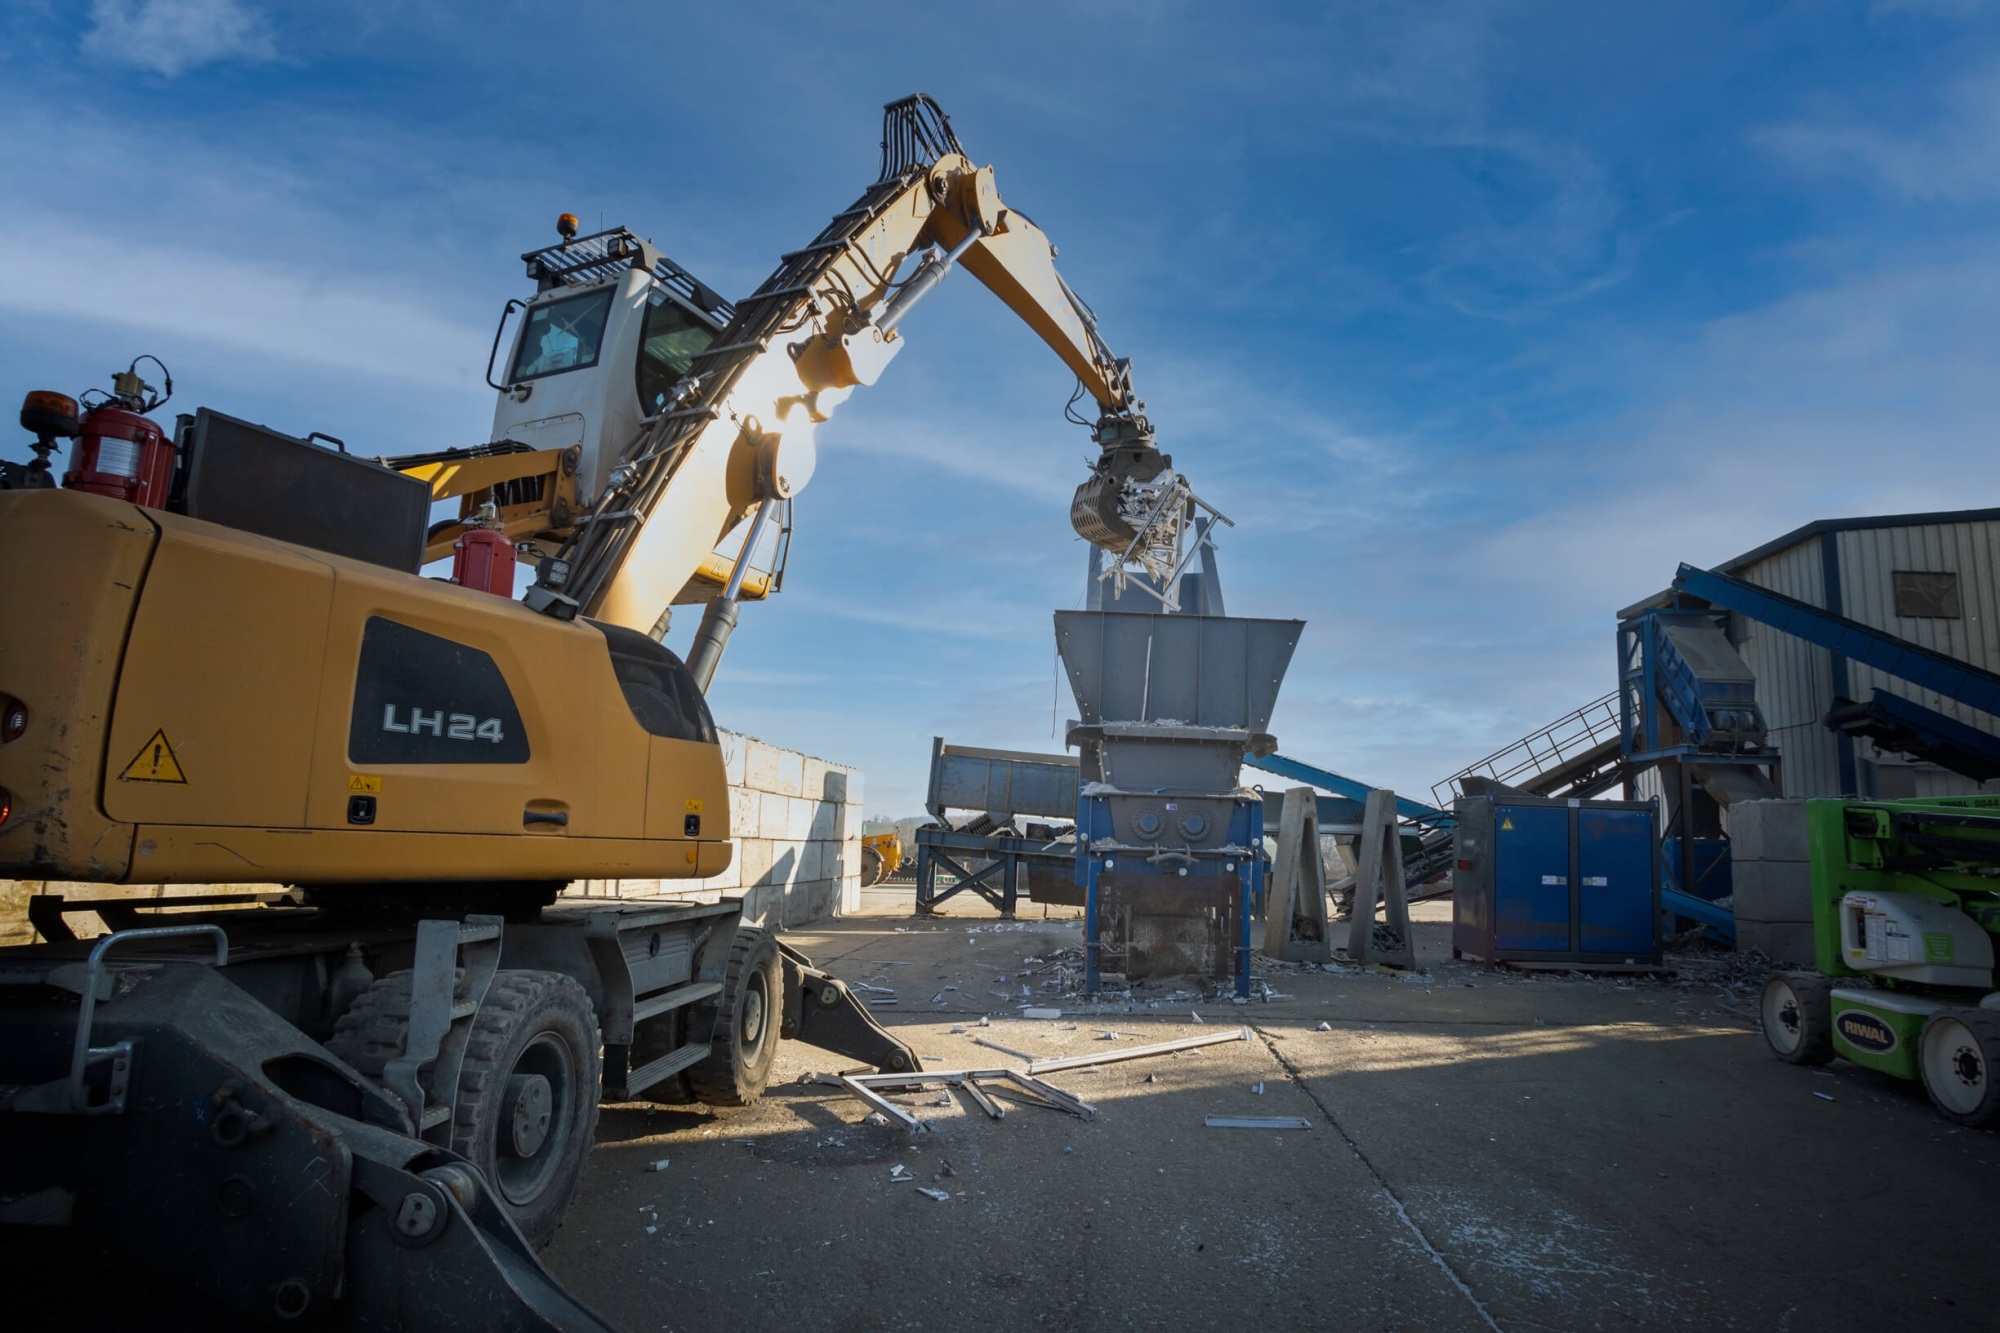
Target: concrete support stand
(1380, 879)
(1295, 919)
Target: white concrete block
(790, 863)
(760, 765)
(1772, 890)
(1768, 831)
(798, 818)
(774, 819)
(1780, 941)
(813, 778)
(789, 776)
(826, 819)
(855, 793)
(755, 855)
(744, 811)
(733, 748)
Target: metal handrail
(82, 1052)
(1565, 738)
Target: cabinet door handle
(530, 818)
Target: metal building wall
(1869, 559)
(1795, 679)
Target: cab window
(658, 689)
(562, 335)
(672, 339)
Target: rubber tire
(872, 871)
(738, 1064)
(1952, 1026)
(520, 1007)
(1806, 1036)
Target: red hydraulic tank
(122, 455)
(484, 559)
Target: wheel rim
(1954, 1066)
(534, 1119)
(751, 1028)
(1784, 1023)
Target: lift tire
(747, 1016)
(872, 871)
(1797, 1011)
(531, 1144)
(1958, 1058)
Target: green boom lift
(1906, 901)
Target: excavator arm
(735, 439)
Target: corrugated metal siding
(1869, 559)
(1794, 678)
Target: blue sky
(1476, 318)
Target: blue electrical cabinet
(1555, 881)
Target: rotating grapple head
(1101, 512)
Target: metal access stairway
(1575, 755)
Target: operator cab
(612, 328)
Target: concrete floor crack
(1297, 1077)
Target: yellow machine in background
(881, 855)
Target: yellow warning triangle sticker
(155, 762)
(1506, 826)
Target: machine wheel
(527, 1095)
(873, 871)
(745, 1043)
(1798, 1017)
(527, 1090)
(1958, 1056)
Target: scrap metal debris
(981, 1085)
(940, 1195)
(1257, 1122)
(1138, 1052)
(1005, 1050)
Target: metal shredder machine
(1169, 844)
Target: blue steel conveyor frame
(1921, 666)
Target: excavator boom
(734, 440)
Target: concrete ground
(1487, 1150)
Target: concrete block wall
(1771, 878)
(795, 822)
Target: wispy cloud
(252, 305)
(1953, 158)
(170, 37)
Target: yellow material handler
(226, 666)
